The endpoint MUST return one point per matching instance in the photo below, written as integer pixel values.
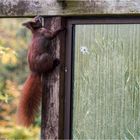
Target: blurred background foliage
(14, 40)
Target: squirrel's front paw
(56, 62)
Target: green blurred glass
(106, 82)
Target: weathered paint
(68, 7)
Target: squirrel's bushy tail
(29, 100)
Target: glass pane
(106, 97)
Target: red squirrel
(39, 62)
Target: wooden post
(53, 90)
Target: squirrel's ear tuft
(38, 19)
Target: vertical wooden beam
(52, 126)
(62, 43)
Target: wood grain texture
(68, 8)
(53, 93)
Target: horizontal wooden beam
(68, 7)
